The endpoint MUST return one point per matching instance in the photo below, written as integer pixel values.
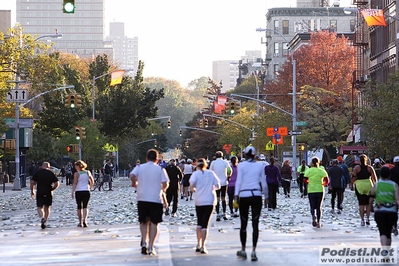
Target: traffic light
(301, 146)
(72, 100)
(78, 99)
(180, 133)
(69, 148)
(169, 123)
(82, 133)
(68, 6)
(201, 123)
(232, 107)
(77, 132)
(206, 122)
(187, 144)
(155, 143)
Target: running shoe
(198, 249)
(167, 212)
(144, 250)
(79, 225)
(43, 223)
(204, 251)
(367, 221)
(152, 252)
(338, 211)
(394, 231)
(314, 223)
(84, 224)
(218, 218)
(225, 217)
(174, 214)
(362, 223)
(253, 256)
(332, 211)
(242, 254)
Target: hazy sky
(179, 39)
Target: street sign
(270, 146)
(17, 96)
(23, 122)
(270, 131)
(291, 133)
(301, 124)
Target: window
(285, 48)
(333, 24)
(276, 25)
(352, 25)
(286, 26)
(276, 49)
(275, 69)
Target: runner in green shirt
(317, 178)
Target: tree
(379, 117)
(324, 73)
(124, 107)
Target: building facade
(125, 49)
(83, 31)
(283, 24)
(5, 21)
(227, 72)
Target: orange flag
(116, 77)
(374, 17)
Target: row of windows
(59, 15)
(91, 33)
(80, 45)
(309, 25)
(58, 6)
(74, 23)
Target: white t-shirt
(250, 177)
(219, 166)
(149, 182)
(83, 182)
(188, 169)
(206, 183)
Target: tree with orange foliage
(324, 74)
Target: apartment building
(125, 48)
(83, 31)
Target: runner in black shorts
(46, 182)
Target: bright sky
(179, 39)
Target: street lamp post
(293, 99)
(17, 183)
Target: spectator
(303, 186)
(107, 172)
(68, 174)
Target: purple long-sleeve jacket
(273, 175)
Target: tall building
(5, 20)
(283, 24)
(125, 48)
(227, 72)
(83, 31)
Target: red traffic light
(69, 148)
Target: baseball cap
(250, 150)
(396, 159)
(339, 159)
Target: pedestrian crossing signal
(69, 148)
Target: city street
(113, 236)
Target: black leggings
(230, 192)
(315, 201)
(256, 206)
(385, 221)
(204, 215)
(82, 199)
